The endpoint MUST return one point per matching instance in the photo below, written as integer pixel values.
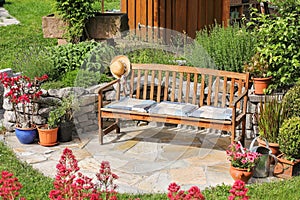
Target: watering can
(262, 168)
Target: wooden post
(225, 12)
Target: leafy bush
(68, 57)
(52, 85)
(278, 42)
(291, 102)
(228, 47)
(289, 138)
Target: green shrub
(229, 48)
(88, 78)
(68, 57)
(148, 55)
(291, 102)
(69, 79)
(33, 62)
(289, 138)
(52, 85)
(278, 42)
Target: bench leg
(242, 139)
(118, 126)
(101, 131)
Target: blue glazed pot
(26, 135)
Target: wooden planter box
(100, 27)
(285, 168)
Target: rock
(49, 101)
(10, 127)
(64, 92)
(10, 116)
(86, 109)
(88, 99)
(94, 89)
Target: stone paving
(6, 19)
(147, 159)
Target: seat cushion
(211, 112)
(172, 108)
(133, 104)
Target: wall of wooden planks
(181, 15)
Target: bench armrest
(239, 98)
(108, 85)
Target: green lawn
(15, 38)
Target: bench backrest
(194, 85)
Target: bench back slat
(188, 83)
(224, 91)
(198, 86)
(195, 88)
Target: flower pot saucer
(48, 145)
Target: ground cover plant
(37, 186)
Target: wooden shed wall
(181, 15)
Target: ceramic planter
(285, 168)
(260, 84)
(47, 137)
(26, 135)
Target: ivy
(75, 13)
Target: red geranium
(23, 93)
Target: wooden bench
(166, 83)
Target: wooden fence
(186, 16)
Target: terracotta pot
(260, 84)
(47, 137)
(274, 147)
(285, 168)
(240, 174)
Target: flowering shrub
(22, 94)
(176, 194)
(241, 157)
(71, 184)
(9, 186)
(238, 191)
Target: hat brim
(125, 61)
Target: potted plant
(76, 20)
(242, 161)
(48, 132)
(289, 141)
(67, 108)
(269, 120)
(258, 69)
(23, 94)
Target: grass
(15, 38)
(37, 186)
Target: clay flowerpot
(26, 135)
(240, 174)
(285, 168)
(260, 84)
(274, 147)
(47, 137)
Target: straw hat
(120, 66)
